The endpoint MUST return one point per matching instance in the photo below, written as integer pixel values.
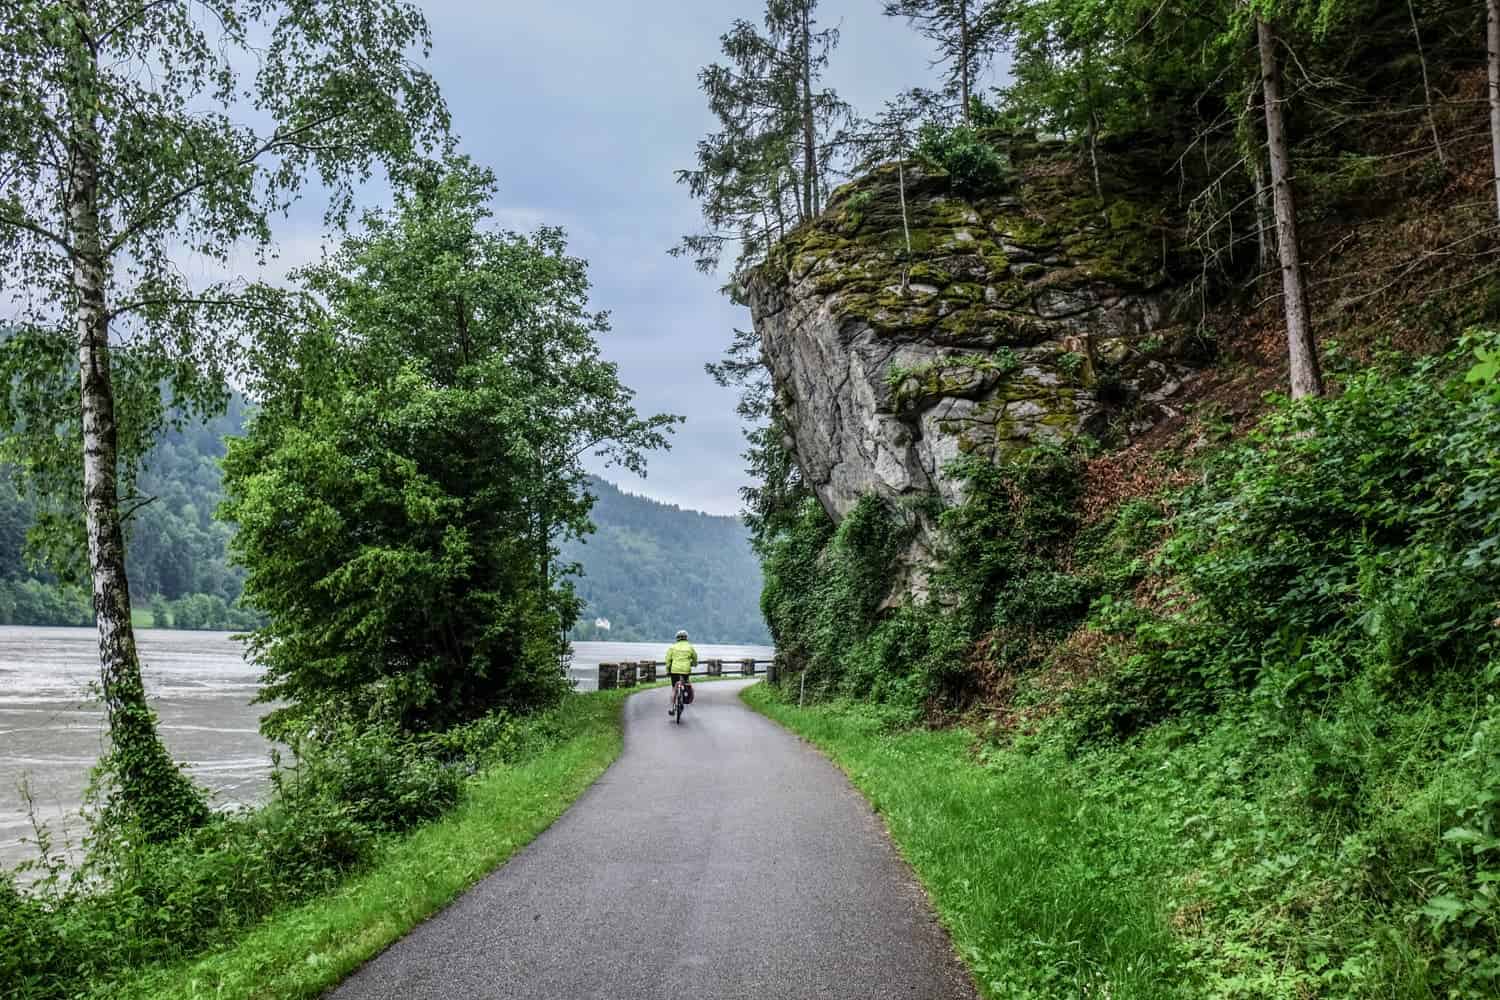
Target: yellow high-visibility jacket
(681, 657)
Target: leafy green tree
(161, 612)
(400, 497)
(120, 153)
(1085, 68)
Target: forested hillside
(177, 550)
(652, 568)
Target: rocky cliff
(1021, 313)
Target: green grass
(305, 950)
(1046, 891)
(1203, 859)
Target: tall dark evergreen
(773, 159)
(966, 33)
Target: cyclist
(681, 659)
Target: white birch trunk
(148, 790)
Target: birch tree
(137, 138)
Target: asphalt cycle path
(718, 859)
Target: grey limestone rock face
(1010, 321)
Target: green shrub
(32, 602)
(375, 776)
(973, 165)
(134, 903)
(827, 589)
(1462, 907)
(1001, 545)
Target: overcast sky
(584, 108)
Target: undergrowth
(262, 889)
(1282, 678)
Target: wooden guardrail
(631, 673)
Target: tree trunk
(1093, 138)
(148, 789)
(809, 132)
(776, 202)
(1307, 380)
(1494, 64)
(964, 57)
(1265, 219)
(905, 221)
(905, 226)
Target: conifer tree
(770, 164)
(966, 33)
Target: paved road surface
(719, 860)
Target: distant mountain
(652, 568)
(176, 550)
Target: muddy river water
(52, 728)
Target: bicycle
(679, 696)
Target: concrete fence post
(647, 671)
(715, 668)
(627, 675)
(609, 676)
(747, 668)
(773, 671)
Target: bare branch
(36, 229)
(104, 36)
(185, 301)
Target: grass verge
(1046, 891)
(303, 951)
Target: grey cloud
(584, 110)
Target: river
(52, 731)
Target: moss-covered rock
(970, 324)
